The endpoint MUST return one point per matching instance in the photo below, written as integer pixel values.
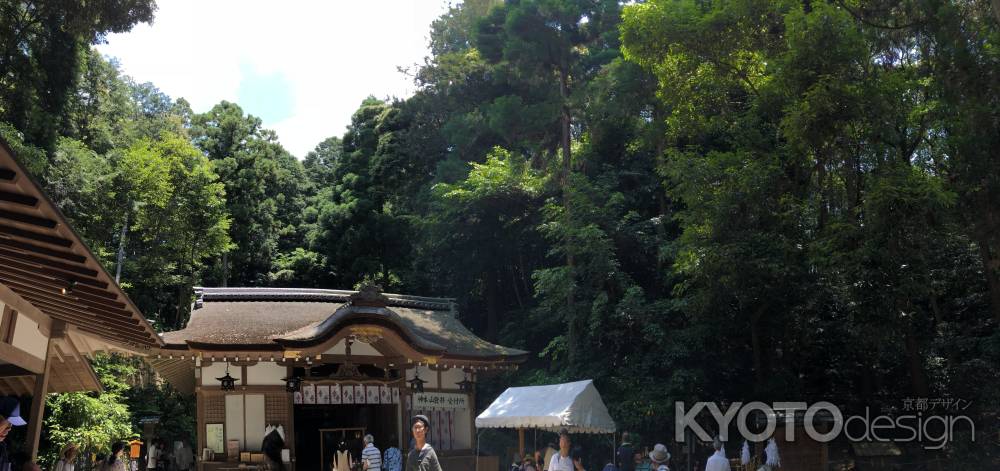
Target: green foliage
(264, 188)
(756, 199)
(43, 47)
(92, 421)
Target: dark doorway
(311, 444)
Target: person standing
(515, 461)
(577, 457)
(659, 458)
(152, 455)
(639, 462)
(422, 457)
(10, 416)
(625, 453)
(67, 458)
(529, 463)
(550, 451)
(371, 457)
(116, 460)
(393, 457)
(718, 461)
(562, 461)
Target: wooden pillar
(41, 392)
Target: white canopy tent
(576, 406)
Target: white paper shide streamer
(773, 459)
(745, 454)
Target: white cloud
(333, 54)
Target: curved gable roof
(272, 318)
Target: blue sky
(302, 66)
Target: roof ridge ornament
(370, 295)
(199, 298)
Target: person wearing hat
(659, 457)
(67, 458)
(562, 461)
(422, 457)
(718, 461)
(10, 416)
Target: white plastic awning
(575, 406)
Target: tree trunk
(991, 268)
(573, 330)
(121, 251)
(996, 10)
(918, 378)
(225, 269)
(492, 310)
(183, 304)
(989, 252)
(821, 179)
(758, 349)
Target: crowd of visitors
(628, 457)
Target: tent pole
(477, 449)
(520, 443)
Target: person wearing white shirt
(562, 461)
(718, 461)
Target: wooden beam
(23, 307)
(54, 290)
(19, 198)
(84, 317)
(27, 219)
(123, 338)
(41, 250)
(12, 390)
(26, 385)
(21, 358)
(7, 324)
(74, 270)
(71, 299)
(35, 236)
(61, 276)
(36, 273)
(13, 370)
(41, 391)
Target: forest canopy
(682, 199)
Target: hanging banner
(359, 394)
(322, 394)
(309, 394)
(426, 400)
(335, 394)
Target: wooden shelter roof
(47, 264)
